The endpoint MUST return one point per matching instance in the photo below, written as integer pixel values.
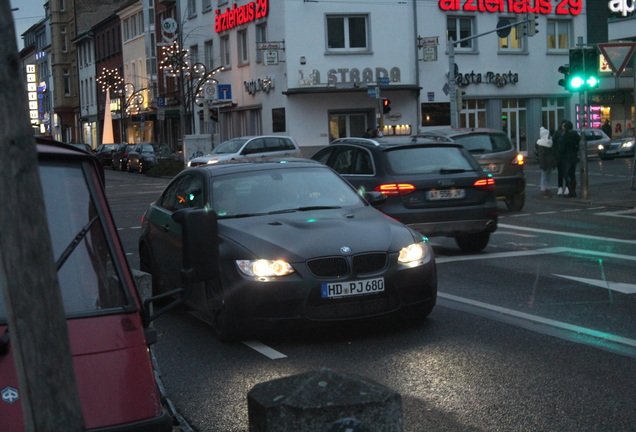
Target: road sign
(161, 102)
(224, 91)
(617, 55)
(373, 92)
(210, 92)
(384, 81)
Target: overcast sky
(29, 12)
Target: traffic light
(214, 114)
(532, 24)
(565, 81)
(386, 106)
(591, 67)
(460, 99)
(583, 69)
(577, 70)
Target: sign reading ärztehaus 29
(239, 15)
(560, 7)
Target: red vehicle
(108, 324)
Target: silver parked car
(619, 147)
(250, 147)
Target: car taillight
(485, 184)
(518, 160)
(395, 189)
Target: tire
(515, 202)
(221, 312)
(473, 242)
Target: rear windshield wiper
(71, 247)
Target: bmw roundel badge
(345, 249)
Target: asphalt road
(536, 333)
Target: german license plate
(352, 288)
(445, 194)
(491, 168)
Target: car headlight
(628, 144)
(264, 268)
(601, 147)
(413, 253)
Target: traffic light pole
(585, 191)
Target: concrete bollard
(324, 401)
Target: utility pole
(38, 334)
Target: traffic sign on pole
(617, 55)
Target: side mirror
(200, 244)
(375, 198)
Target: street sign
(210, 92)
(373, 92)
(617, 55)
(384, 81)
(270, 58)
(161, 102)
(446, 89)
(270, 45)
(224, 91)
(429, 53)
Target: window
(460, 28)
(64, 39)
(278, 120)
(242, 47)
(347, 33)
(208, 54)
(151, 12)
(192, 7)
(225, 51)
(206, 5)
(67, 82)
(511, 42)
(194, 55)
(558, 35)
(62, 5)
(261, 36)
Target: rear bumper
(510, 186)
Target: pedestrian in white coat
(547, 160)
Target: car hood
(622, 140)
(302, 235)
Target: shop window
(460, 28)
(558, 35)
(347, 33)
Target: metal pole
(452, 83)
(634, 121)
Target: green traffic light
(576, 82)
(591, 81)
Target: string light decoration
(174, 61)
(109, 78)
(133, 100)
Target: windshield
(271, 191)
(484, 143)
(629, 133)
(231, 146)
(429, 160)
(88, 277)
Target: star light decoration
(109, 78)
(175, 60)
(133, 99)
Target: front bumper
(261, 304)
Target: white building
(315, 81)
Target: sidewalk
(607, 189)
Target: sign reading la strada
(560, 7)
(349, 76)
(239, 15)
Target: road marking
(514, 234)
(630, 214)
(499, 313)
(539, 230)
(615, 286)
(517, 254)
(264, 349)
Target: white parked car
(250, 147)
